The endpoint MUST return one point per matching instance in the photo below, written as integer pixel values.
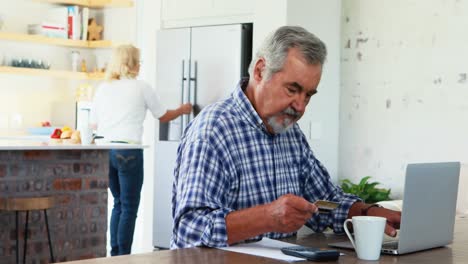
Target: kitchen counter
(44, 143)
(77, 176)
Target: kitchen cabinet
(177, 13)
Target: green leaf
(364, 180)
(366, 191)
(370, 187)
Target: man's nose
(299, 104)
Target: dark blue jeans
(125, 182)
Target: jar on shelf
(75, 60)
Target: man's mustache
(292, 112)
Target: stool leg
(48, 236)
(17, 237)
(25, 237)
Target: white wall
(267, 19)
(404, 86)
(320, 123)
(148, 21)
(27, 101)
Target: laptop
(429, 207)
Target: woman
(118, 112)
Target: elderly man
(244, 168)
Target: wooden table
(454, 253)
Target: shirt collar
(246, 108)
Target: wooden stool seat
(27, 204)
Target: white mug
(86, 136)
(368, 235)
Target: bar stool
(28, 204)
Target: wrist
(366, 209)
(269, 225)
(180, 111)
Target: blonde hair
(124, 62)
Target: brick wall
(78, 223)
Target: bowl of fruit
(43, 129)
(65, 135)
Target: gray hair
(275, 47)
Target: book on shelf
(64, 22)
(74, 22)
(84, 23)
(55, 23)
(53, 30)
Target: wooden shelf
(55, 41)
(92, 3)
(52, 73)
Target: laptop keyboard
(390, 245)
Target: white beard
(280, 127)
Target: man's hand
(289, 213)
(393, 219)
(286, 214)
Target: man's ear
(259, 68)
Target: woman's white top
(119, 109)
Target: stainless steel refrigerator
(200, 65)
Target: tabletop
(457, 252)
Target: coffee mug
(86, 136)
(368, 235)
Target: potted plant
(365, 190)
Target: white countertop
(43, 143)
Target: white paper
(266, 247)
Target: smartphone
(310, 253)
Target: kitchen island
(77, 175)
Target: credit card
(325, 207)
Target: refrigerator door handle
(184, 79)
(188, 97)
(194, 79)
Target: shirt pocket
(289, 178)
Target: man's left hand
(393, 219)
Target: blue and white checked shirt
(227, 161)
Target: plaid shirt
(227, 161)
